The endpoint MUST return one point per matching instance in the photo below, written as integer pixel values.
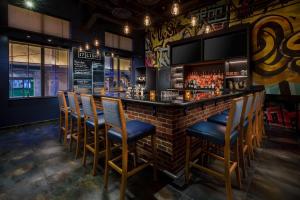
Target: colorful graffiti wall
(275, 39)
(275, 43)
(158, 38)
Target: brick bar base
(171, 123)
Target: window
(29, 73)
(118, 42)
(24, 19)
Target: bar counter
(171, 118)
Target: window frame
(42, 68)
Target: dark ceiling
(133, 11)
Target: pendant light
(147, 20)
(175, 10)
(96, 43)
(126, 29)
(194, 21)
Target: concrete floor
(34, 165)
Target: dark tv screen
(186, 53)
(227, 46)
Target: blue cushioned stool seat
(219, 118)
(135, 130)
(211, 131)
(101, 122)
(222, 119)
(226, 112)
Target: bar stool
(226, 136)
(77, 118)
(245, 132)
(260, 121)
(93, 130)
(64, 112)
(255, 122)
(125, 133)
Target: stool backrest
(235, 114)
(62, 100)
(89, 107)
(249, 106)
(256, 102)
(114, 115)
(74, 104)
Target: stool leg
(187, 161)
(237, 159)
(71, 133)
(96, 153)
(107, 158)
(227, 172)
(241, 154)
(84, 145)
(78, 138)
(154, 157)
(124, 171)
(60, 125)
(66, 127)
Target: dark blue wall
(22, 111)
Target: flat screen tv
(186, 53)
(227, 46)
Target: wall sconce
(152, 95)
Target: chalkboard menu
(87, 71)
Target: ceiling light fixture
(96, 42)
(194, 21)
(87, 46)
(29, 4)
(175, 9)
(126, 29)
(98, 52)
(147, 20)
(207, 29)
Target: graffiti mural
(275, 44)
(158, 38)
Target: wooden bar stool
(93, 130)
(255, 122)
(218, 134)
(260, 121)
(64, 112)
(77, 118)
(125, 133)
(245, 132)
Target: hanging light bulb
(87, 46)
(147, 20)
(96, 42)
(98, 52)
(80, 48)
(193, 21)
(175, 9)
(207, 29)
(126, 29)
(112, 54)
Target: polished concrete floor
(34, 165)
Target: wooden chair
(244, 148)
(77, 118)
(93, 130)
(126, 133)
(260, 122)
(64, 112)
(218, 134)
